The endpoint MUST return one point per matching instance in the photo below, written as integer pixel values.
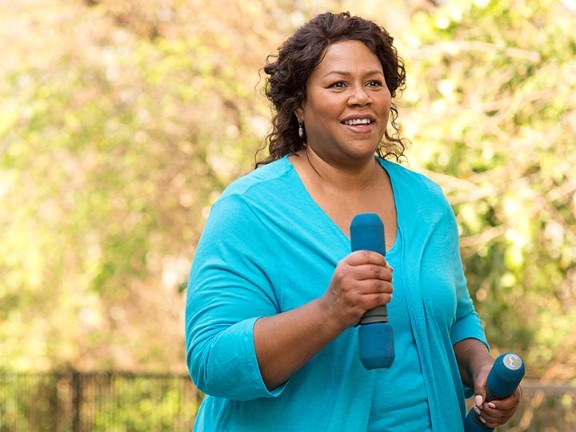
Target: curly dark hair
(288, 74)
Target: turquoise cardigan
(267, 248)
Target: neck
(345, 178)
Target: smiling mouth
(357, 122)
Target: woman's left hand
(475, 363)
(497, 412)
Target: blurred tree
(121, 121)
(114, 143)
(491, 109)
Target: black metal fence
(125, 402)
(97, 402)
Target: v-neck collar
(315, 209)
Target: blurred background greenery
(121, 121)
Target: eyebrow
(344, 73)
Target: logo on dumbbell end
(512, 361)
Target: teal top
(410, 412)
(267, 247)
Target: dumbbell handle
(503, 379)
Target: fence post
(76, 400)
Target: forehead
(350, 55)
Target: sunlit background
(121, 121)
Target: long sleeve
(228, 291)
(468, 323)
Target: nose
(359, 96)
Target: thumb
(480, 388)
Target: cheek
(387, 103)
(384, 105)
(323, 107)
(321, 104)
(385, 114)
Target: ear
(299, 112)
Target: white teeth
(357, 122)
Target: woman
(275, 295)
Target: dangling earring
(300, 129)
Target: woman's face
(347, 104)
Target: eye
(374, 83)
(338, 85)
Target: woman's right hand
(361, 281)
(285, 342)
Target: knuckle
(383, 287)
(383, 298)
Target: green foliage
(491, 107)
(144, 405)
(104, 402)
(116, 140)
(108, 166)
